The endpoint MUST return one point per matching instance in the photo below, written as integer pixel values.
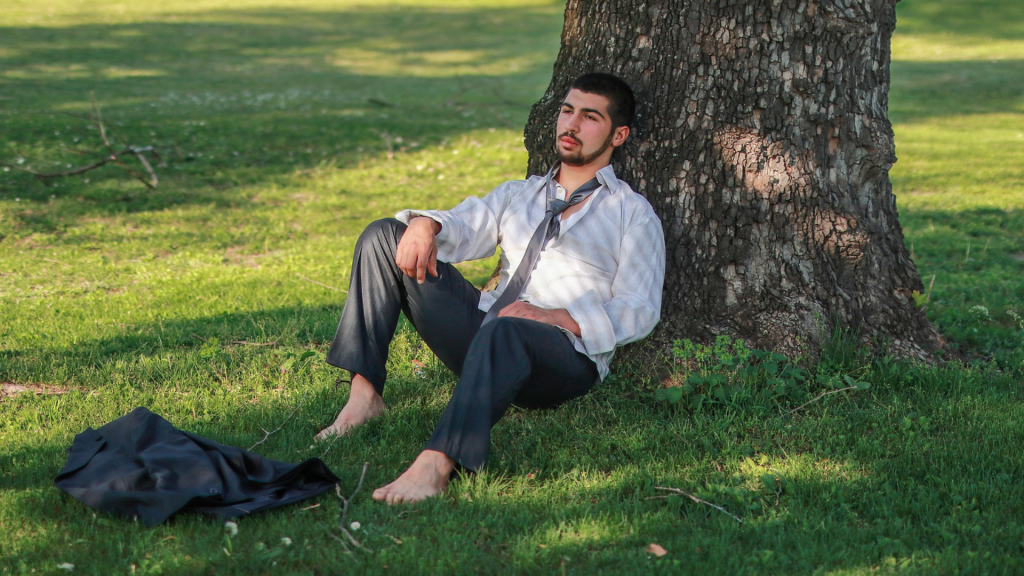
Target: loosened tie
(547, 230)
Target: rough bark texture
(762, 140)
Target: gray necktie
(547, 230)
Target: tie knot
(556, 206)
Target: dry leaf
(656, 550)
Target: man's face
(584, 129)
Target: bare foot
(427, 477)
(364, 404)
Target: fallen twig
(343, 544)
(822, 395)
(695, 499)
(247, 343)
(276, 430)
(321, 284)
(344, 512)
(112, 155)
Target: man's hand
(417, 250)
(555, 317)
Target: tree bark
(762, 140)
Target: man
(574, 285)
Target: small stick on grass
(695, 499)
(343, 545)
(822, 395)
(344, 511)
(276, 430)
(321, 284)
(247, 343)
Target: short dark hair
(621, 104)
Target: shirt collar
(606, 176)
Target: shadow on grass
(974, 21)
(926, 90)
(858, 486)
(238, 97)
(239, 333)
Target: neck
(572, 177)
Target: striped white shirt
(606, 266)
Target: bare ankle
(441, 461)
(362, 388)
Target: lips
(569, 141)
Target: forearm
(553, 316)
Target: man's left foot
(364, 404)
(427, 477)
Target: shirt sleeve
(635, 307)
(471, 230)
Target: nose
(573, 123)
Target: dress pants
(507, 361)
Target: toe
(325, 434)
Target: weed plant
(729, 374)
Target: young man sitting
(582, 268)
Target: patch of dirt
(234, 256)
(1019, 257)
(11, 389)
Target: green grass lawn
(285, 127)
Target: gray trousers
(507, 361)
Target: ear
(620, 135)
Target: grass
(286, 128)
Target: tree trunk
(762, 140)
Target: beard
(578, 158)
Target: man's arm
(636, 303)
(470, 230)
(417, 250)
(556, 317)
(635, 307)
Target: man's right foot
(364, 404)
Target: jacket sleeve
(470, 230)
(635, 307)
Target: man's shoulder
(513, 191)
(516, 186)
(624, 194)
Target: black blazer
(140, 465)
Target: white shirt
(606, 267)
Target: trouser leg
(443, 309)
(511, 360)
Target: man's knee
(504, 330)
(383, 232)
